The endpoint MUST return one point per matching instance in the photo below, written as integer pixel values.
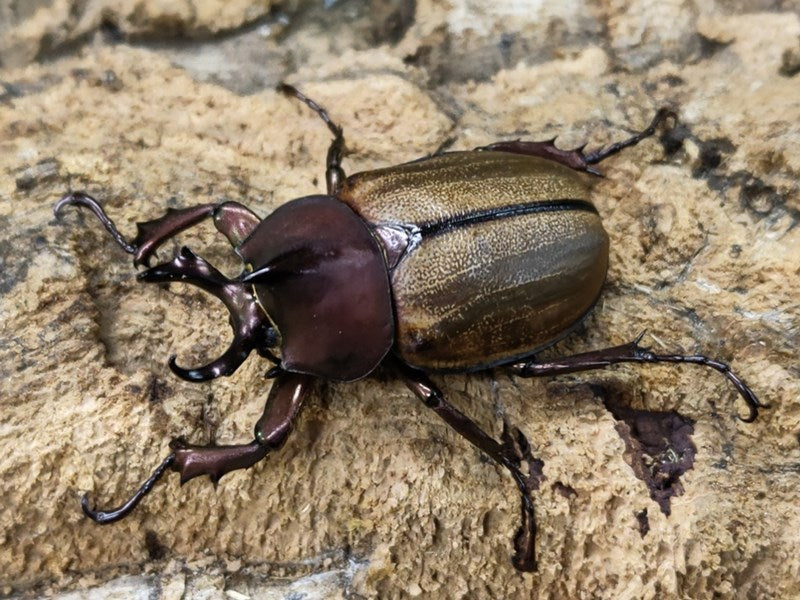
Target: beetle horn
(293, 262)
(227, 363)
(250, 325)
(262, 275)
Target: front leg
(514, 450)
(285, 399)
(251, 327)
(150, 235)
(232, 219)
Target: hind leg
(632, 352)
(510, 453)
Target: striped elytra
(500, 254)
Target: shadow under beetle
(460, 261)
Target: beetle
(455, 262)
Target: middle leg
(334, 174)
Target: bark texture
(373, 496)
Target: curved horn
(227, 363)
(250, 325)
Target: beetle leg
(334, 174)
(576, 158)
(250, 326)
(85, 200)
(509, 454)
(232, 219)
(151, 234)
(235, 221)
(272, 429)
(633, 352)
(286, 397)
(603, 153)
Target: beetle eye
(269, 346)
(271, 338)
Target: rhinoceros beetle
(455, 262)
